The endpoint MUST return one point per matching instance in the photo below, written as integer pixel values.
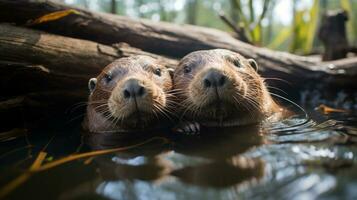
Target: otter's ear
(171, 72)
(91, 84)
(253, 64)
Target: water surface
(297, 158)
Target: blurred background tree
(287, 25)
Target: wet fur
(108, 111)
(244, 100)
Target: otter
(131, 94)
(220, 88)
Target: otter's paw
(188, 128)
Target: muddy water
(298, 158)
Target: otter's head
(221, 87)
(130, 93)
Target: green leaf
(312, 25)
(283, 36)
(351, 23)
(256, 34)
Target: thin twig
(240, 33)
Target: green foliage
(252, 26)
(298, 37)
(351, 24)
(312, 27)
(207, 16)
(280, 38)
(304, 28)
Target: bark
(113, 6)
(332, 33)
(177, 40)
(21, 78)
(62, 55)
(192, 11)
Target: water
(297, 158)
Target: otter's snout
(214, 79)
(133, 89)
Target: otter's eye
(157, 71)
(186, 69)
(237, 63)
(108, 78)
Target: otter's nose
(132, 89)
(214, 79)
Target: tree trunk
(177, 40)
(113, 6)
(332, 33)
(192, 10)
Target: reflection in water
(294, 159)
(153, 169)
(197, 162)
(221, 175)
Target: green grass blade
(280, 38)
(312, 25)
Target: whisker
(277, 79)
(306, 116)
(277, 89)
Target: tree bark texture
(332, 32)
(62, 55)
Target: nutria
(221, 88)
(131, 94)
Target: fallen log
(175, 40)
(43, 75)
(18, 78)
(33, 61)
(62, 55)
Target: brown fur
(108, 111)
(243, 100)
